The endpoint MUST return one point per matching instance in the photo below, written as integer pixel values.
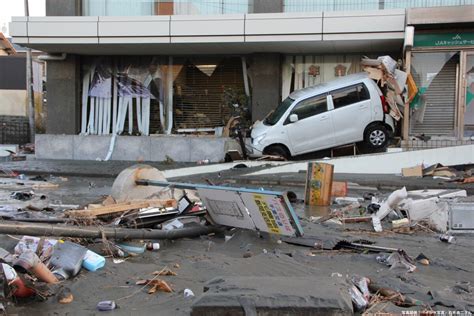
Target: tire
(376, 137)
(277, 150)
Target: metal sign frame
(261, 210)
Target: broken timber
(120, 207)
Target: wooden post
(318, 184)
(406, 108)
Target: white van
(347, 110)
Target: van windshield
(274, 116)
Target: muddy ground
(446, 284)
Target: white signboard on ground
(264, 211)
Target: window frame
(325, 94)
(347, 87)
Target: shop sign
(444, 40)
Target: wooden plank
(318, 184)
(120, 207)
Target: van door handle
(324, 117)
(363, 106)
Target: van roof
(326, 86)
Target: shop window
(350, 95)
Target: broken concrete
(275, 296)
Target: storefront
(143, 95)
(442, 66)
(301, 71)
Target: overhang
(315, 32)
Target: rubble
(250, 239)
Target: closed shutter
(199, 98)
(440, 111)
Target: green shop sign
(444, 40)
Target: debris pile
(391, 80)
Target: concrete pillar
(63, 7)
(63, 98)
(266, 77)
(267, 6)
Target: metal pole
(46, 230)
(29, 86)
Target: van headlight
(259, 138)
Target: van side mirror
(293, 118)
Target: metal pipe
(46, 230)
(47, 57)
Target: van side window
(310, 107)
(350, 95)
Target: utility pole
(29, 86)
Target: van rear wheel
(277, 150)
(376, 137)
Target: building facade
(166, 67)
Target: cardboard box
(416, 171)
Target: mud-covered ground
(445, 284)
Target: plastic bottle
(66, 259)
(93, 261)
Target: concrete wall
(63, 96)
(63, 7)
(267, 6)
(265, 78)
(137, 148)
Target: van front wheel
(277, 150)
(376, 137)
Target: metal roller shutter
(198, 98)
(440, 112)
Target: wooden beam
(120, 207)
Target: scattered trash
(155, 285)
(397, 259)
(153, 246)
(188, 293)
(22, 196)
(358, 300)
(93, 261)
(421, 258)
(29, 261)
(104, 306)
(66, 259)
(165, 271)
(447, 238)
(175, 224)
(65, 296)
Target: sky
(9, 8)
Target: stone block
(320, 295)
(90, 147)
(174, 146)
(54, 146)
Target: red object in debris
(384, 104)
(19, 288)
